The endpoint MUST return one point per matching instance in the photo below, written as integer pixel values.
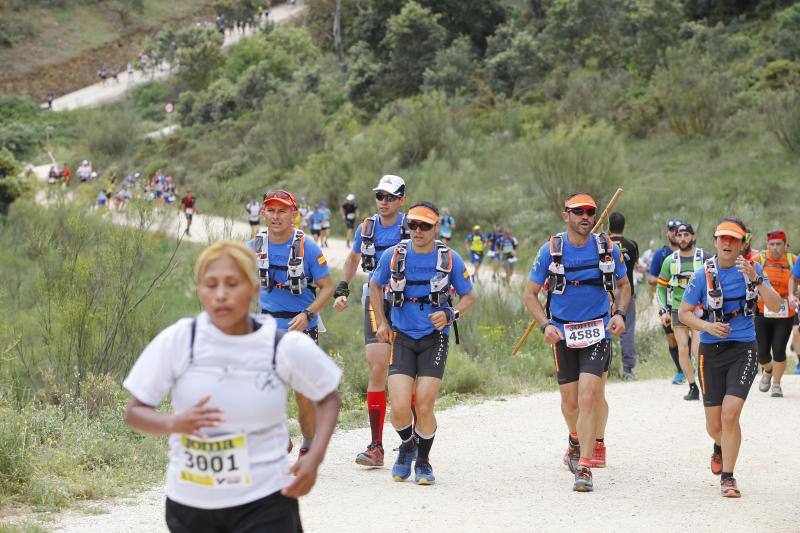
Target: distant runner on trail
(188, 203)
(476, 241)
(676, 271)
(773, 328)
(349, 214)
(726, 288)
(372, 238)
(418, 275)
(493, 242)
(583, 272)
(448, 224)
(227, 375)
(253, 210)
(508, 254)
(652, 278)
(295, 283)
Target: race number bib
(189, 210)
(583, 334)
(216, 463)
(351, 216)
(783, 312)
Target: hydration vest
(476, 243)
(715, 298)
(296, 280)
(439, 284)
(556, 273)
(369, 262)
(679, 279)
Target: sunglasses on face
(381, 196)
(279, 194)
(580, 211)
(413, 225)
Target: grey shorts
(676, 323)
(370, 324)
(419, 357)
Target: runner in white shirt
(227, 376)
(253, 210)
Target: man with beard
(676, 271)
(652, 278)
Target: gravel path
(498, 467)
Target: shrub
(599, 95)
(694, 94)
(517, 63)
(783, 119)
(12, 185)
(149, 99)
(110, 137)
(779, 74)
(787, 33)
(425, 124)
(575, 158)
(452, 68)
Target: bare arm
(687, 316)
(551, 333)
(793, 302)
(300, 321)
(145, 419)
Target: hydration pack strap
(556, 276)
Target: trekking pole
(597, 226)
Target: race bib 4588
(583, 334)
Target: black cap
(673, 224)
(686, 227)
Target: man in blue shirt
(292, 311)
(372, 238)
(315, 220)
(326, 224)
(582, 271)
(493, 240)
(418, 275)
(448, 224)
(794, 302)
(652, 278)
(728, 351)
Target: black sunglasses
(413, 225)
(581, 210)
(381, 196)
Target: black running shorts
(275, 513)
(418, 357)
(571, 362)
(772, 336)
(667, 329)
(370, 323)
(726, 368)
(349, 224)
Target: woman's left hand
(746, 267)
(305, 475)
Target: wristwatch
(621, 313)
(758, 281)
(544, 326)
(309, 315)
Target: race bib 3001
(215, 463)
(783, 312)
(583, 334)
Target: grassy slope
(61, 33)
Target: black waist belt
(562, 321)
(280, 314)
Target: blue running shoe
(405, 456)
(679, 378)
(797, 369)
(423, 474)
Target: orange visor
(731, 229)
(280, 197)
(423, 214)
(580, 200)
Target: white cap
(391, 184)
(350, 197)
(94, 174)
(85, 162)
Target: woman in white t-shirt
(227, 375)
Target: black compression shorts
(726, 368)
(275, 512)
(571, 362)
(349, 224)
(772, 336)
(419, 357)
(370, 324)
(667, 329)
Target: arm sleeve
(357, 239)
(382, 272)
(155, 371)
(695, 291)
(460, 277)
(303, 365)
(538, 273)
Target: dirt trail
(498, 467)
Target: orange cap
(580, 200)
(423, 214)
(280, 197)
(731, 229)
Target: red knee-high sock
(376, 408)
(413, 411)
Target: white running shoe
(776, 391)
(766, 380)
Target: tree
(12, 185)
(198, 63)
(363, 76)
(518, 63)
(452, 68)
(412, 39)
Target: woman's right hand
(198, 416)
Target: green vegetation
(496, 112)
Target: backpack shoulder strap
(192, 333)
(279, 334)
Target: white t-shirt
(236, 371)
(254, 209)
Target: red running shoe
(599, 455)
(716, 463)
(572, 456)
(373, 456)
(729, 489)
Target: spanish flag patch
(466, 275)
(321, 260)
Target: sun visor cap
(730, 229)
(280, 198)
(392, 184)
(580, 200)
(423, 214)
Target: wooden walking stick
(597, 226)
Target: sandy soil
(498, 468)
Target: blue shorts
(476, 257)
